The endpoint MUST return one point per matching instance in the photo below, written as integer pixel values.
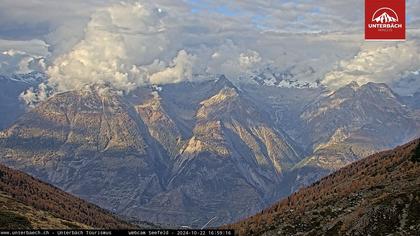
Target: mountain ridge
(192, 149)
(128, 154)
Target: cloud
(130, 43)
(179, 70)
(33, 96)
(34, 46)
(127, 45)
(22, 57)
(98, 58)
(105, 55)
(387, 63)
(249, 59)
(231, 59)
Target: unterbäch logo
(385, 20)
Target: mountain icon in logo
(386, 15)
(385, 18)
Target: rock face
(221, 150)
(359, 115)
(187, 153)
(232, 154)
(351, 123)
(379, 195)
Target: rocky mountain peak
(223, 95)
(354, 85)
(347, 91)
(379, 88)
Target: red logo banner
(385, 19)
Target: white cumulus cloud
(384, 63)
(180, 69)
(130, 43)
(33, 96)
(22, 57)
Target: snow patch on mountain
(32, 78)
(292, 77)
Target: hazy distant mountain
(413, 101)
(28, 203)
(378, 195)
(188, 152)
(11, 87)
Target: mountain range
(190, 152)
